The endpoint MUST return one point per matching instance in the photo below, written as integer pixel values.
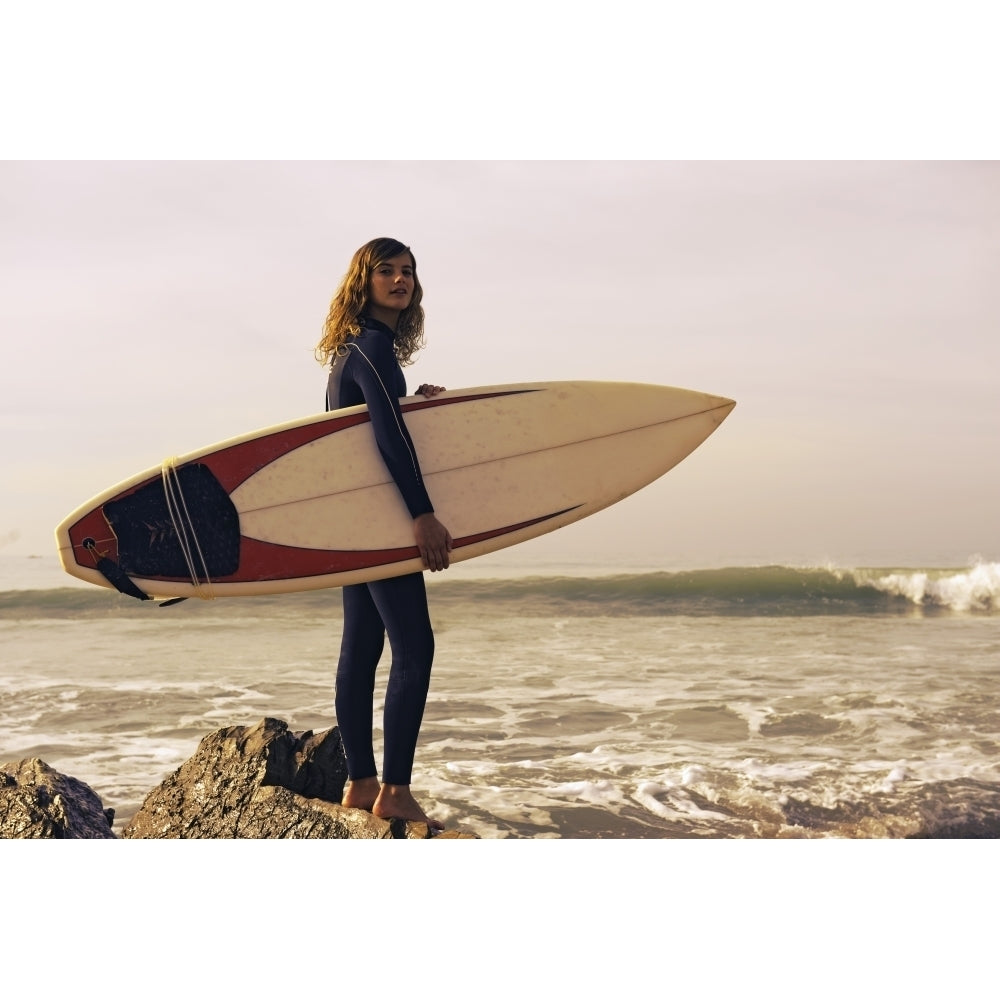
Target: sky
(792, 206)
(850, 308)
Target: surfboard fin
(114, 574)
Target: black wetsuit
(371, 374)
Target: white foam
(601, 757)
(897, 775)
(596, 792)
(692, 774)
(976, 589)
(669, 801)
(779, 771)
(470, 768)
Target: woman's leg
(402, 606)
(399, 607)
(360, 649)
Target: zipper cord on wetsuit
(402, 433)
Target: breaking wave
(751, 591)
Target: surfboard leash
(184, 530)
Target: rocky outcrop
(255, 782)
(248, 782)
(216, 793)
(36, 801)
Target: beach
(766, 702)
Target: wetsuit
(371, 374)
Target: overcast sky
(152, 308)
(181, 190)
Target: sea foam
(976, 589)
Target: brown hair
(351, 297)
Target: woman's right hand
(428, 390)
(433, 541)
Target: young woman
(374, 327)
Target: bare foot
(396, 802)
(361, 794)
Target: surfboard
(310, 504)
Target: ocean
(567, 702)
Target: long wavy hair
(351, 297)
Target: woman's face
(390, 286)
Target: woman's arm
(374, 376)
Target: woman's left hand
(429, 390)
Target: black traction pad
(148, 545)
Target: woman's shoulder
(374, 341)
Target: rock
(258, 782)
(37, 802)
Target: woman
(375, 326)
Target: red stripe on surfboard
(231, 466)
(269, 561)
(234, 465)
(497, 532)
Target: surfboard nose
(721, 407)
